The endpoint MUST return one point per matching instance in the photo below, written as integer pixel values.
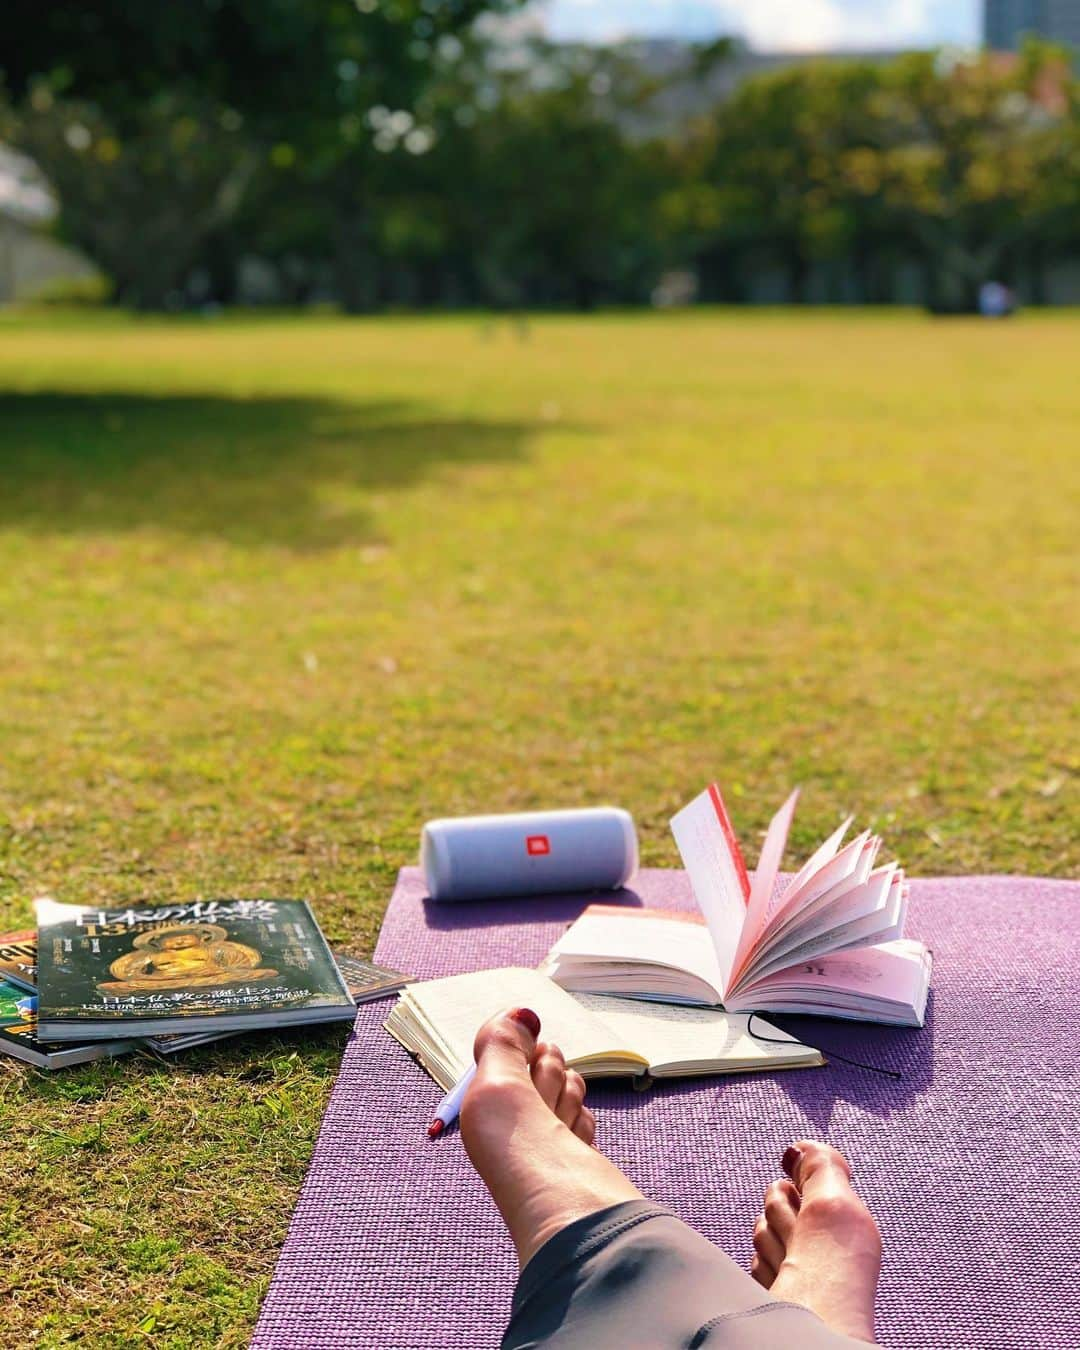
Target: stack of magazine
(91, 982)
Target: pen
(450, 1105)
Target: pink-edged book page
(714, 863)
(801, 886)
(850, 867)
(761, 892)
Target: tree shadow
(291, 472)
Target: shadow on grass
(292, 472)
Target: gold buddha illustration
(184, 956)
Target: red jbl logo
(537, 844)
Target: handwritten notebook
(830, 942)
(600, 1037)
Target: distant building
(686, 94)
(1006, 22)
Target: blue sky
(777, 24)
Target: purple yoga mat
(969, 1161)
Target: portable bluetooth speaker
(531, 853)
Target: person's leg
(530, 1138)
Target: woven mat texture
(969, 1161)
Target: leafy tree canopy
(285, 64)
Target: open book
(600, 1037)
(830, 942)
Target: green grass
(275, 591)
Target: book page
(804, 885)
(897, 930)
(831, 927)
(669, 1035)
(453, 1010)
(848, 869)
(760, 907)
(615, 934)
(711, 856)
(889, 971)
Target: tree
(967, 167)
(981, 166)
(394, 146)
(542, 188)
(143, 208)
(307, 80)
(771, 173)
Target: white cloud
(807, 25)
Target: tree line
(388, 152)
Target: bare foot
(529, 1134)
(817, 1244)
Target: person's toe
(767, 1245)
(834, 1252)
(762, 1271)
(585, 1126)
(540, 1171)
(828, 1204)
(502, 1088)
(571, 1098)
(817, 1169)
(781, 1208)
(507, 1040)
(549, 1073)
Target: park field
(273, 591)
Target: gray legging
(634, 1277)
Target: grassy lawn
(275, 591)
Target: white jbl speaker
(531, 853)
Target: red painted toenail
(528, 1020)
(790, 1160)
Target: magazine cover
(246, 962)
(365, 980)
(18, 1034)
(18, 958)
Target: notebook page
(454, 1009)
(668, 1034)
